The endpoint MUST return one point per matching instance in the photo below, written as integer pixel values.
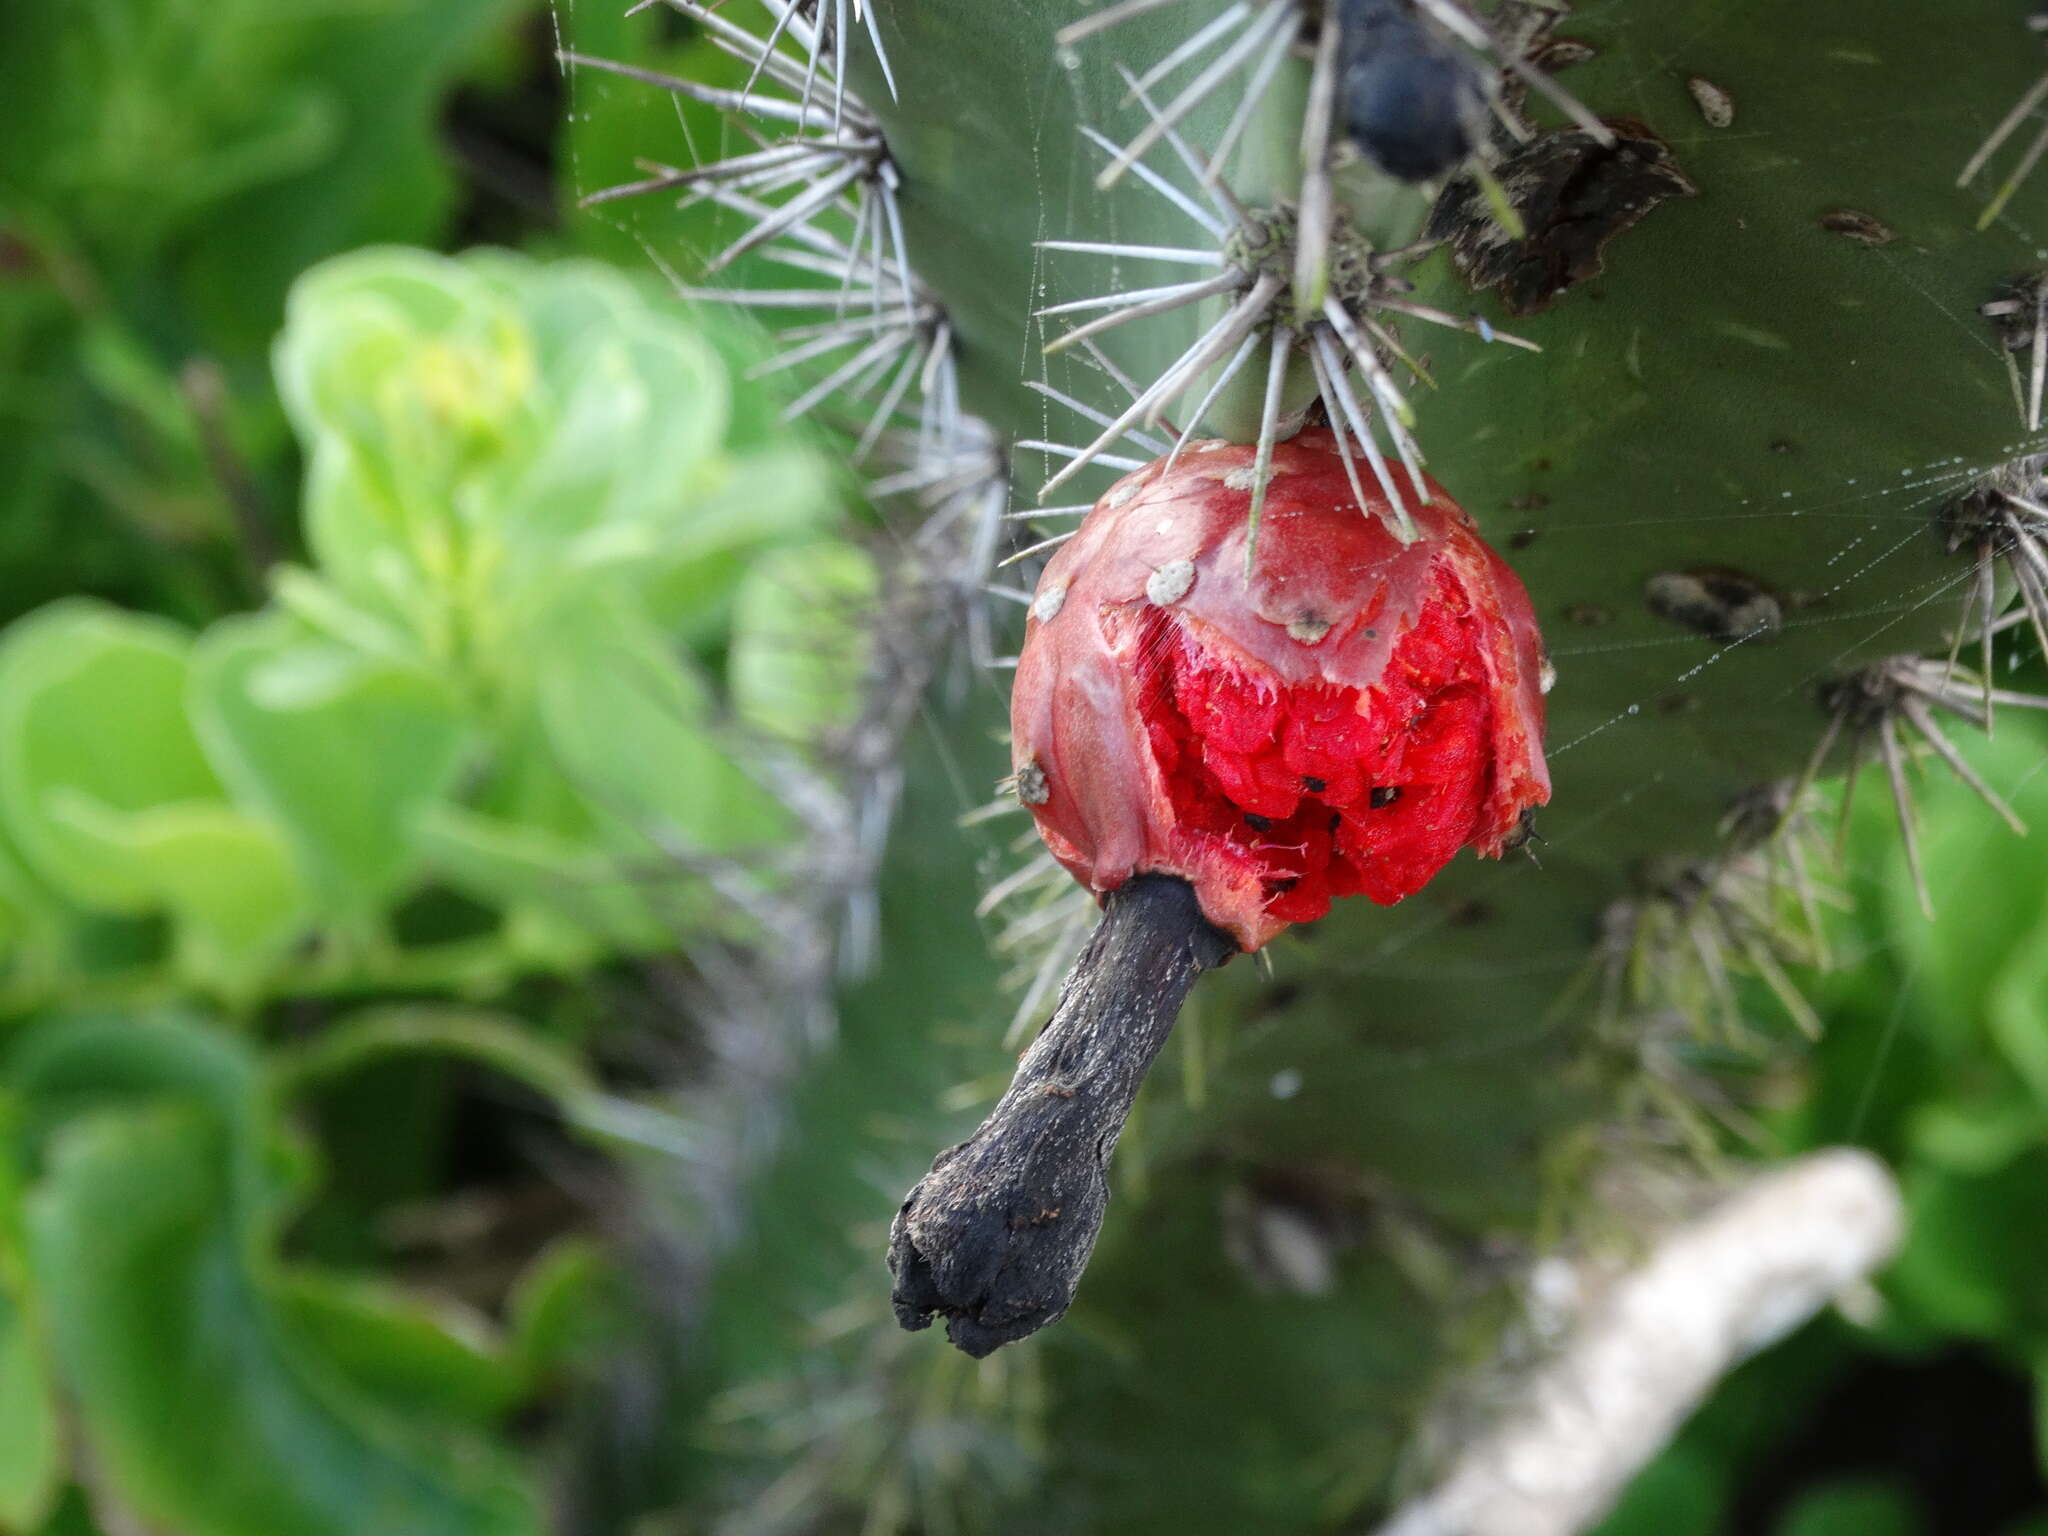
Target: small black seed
(1336, 821)
(1522, 538)
(1313, 786)
(1385, 795)
(1258, 823)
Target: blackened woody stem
(995, 1237)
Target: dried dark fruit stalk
(1220, 735)
(995, 1237)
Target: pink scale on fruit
(1341, 722)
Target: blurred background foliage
(1924, 1415)
(410, 610)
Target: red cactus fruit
(1341, 721)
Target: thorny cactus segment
(2003, 521)
(1341, 721)
(1887, 707)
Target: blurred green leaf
(559, 1310)
(1852, 1509)
(1681, 1493)
(414, 392)
(233, 889)
(107, 125)
(92, 732)
(487, 433)
(31, 1445)
(343, 750)
(72, 1518)
(788, 493)
(1978, 1135)
(160, 1180)
(66, 1067)
(495, 1041)
(381, 70)
(802, 638)
(1989, 888)
(640, 401)
(421, 1359)
(123, 369)
(173, 1355)
(247, 142)
(569, 903)
(1972, 1261)
(632, 725)
(170, 165)
(2016, 1006)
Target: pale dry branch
(1650, 1346)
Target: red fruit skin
(1341, 722)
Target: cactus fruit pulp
(1329, 713)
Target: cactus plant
(1704, 332)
